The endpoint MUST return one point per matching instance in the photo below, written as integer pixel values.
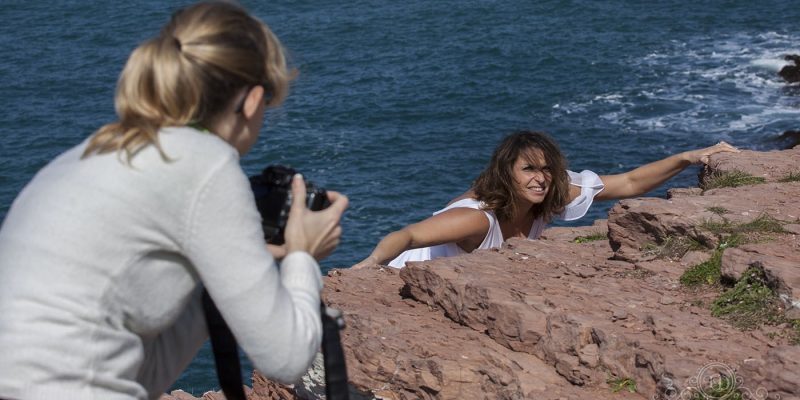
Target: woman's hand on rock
(367, 262)
(703, 155)
(315, 232)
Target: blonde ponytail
(189, 73)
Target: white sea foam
(718, 86)
(770, 64)
(764, 117)
(611, 97)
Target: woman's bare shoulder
(469, 194)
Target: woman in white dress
(525, 186)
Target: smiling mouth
(539, 189)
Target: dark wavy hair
(496, 187)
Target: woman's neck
(524, 208)
(520, 224)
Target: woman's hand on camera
(315, 232)
(703, 155)
(277, 251)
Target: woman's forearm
(641, 180)
(650, 176)
(387, 249)
(390, 247)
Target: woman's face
(532, 176)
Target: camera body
(273, 194)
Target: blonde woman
(525, 185)
(106, 250)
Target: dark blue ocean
(399, 104)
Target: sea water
(399, 104)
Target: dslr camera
(273, 193)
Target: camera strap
(226, 351)
(336, 387)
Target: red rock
(575, 314)
(774, 373)
(635, 224)
(409, 350)
(770, 165)
(570, 234)
(177, 395)
(264, 389)
(555, 319)
(779, 258)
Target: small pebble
(666, 300)
(619, 314)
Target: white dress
(588, 181)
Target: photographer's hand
(278, 251)
(315, 232)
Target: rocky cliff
(691, 297)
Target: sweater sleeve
(274, 314)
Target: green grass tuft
(678, 246)
(620, 384)
(718, 210)
(590, 238)
(731, 235)
(750, 303)
(764, 223)
(731, 179)
(791, 177)
(795, 324)
(706, 273)
(672, 247)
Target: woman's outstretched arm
(643, 179)
(465, 226)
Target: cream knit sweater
(101, 266)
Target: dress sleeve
(274, 314)
(590, 185)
